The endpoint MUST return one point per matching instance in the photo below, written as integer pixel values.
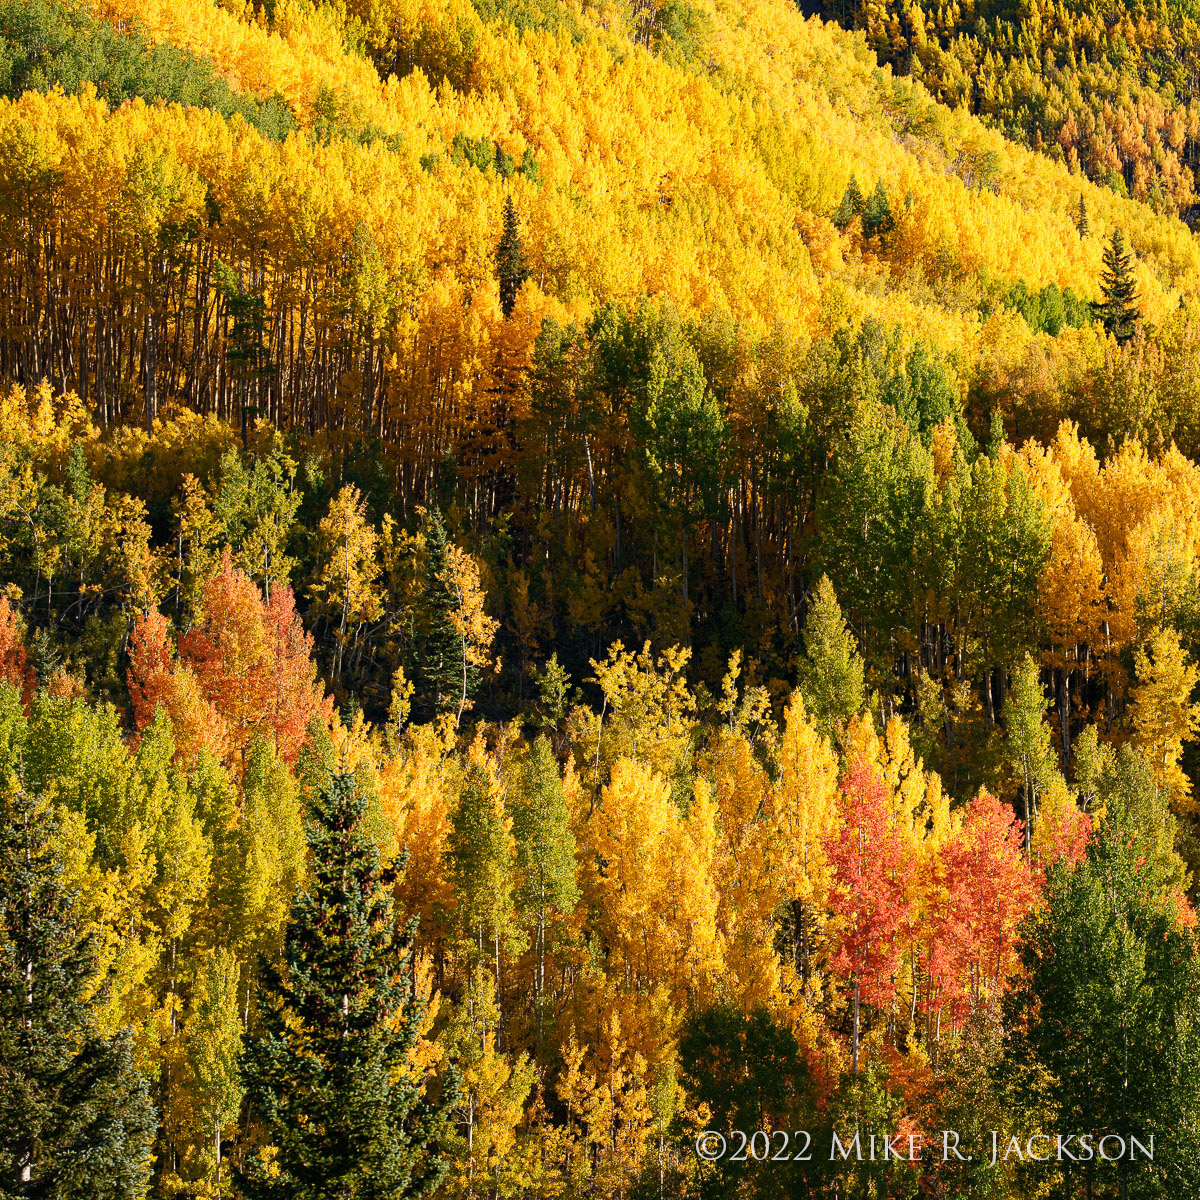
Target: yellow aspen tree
(748, 901)
(1071, 606)
(608, 1114)
(646, 712)
(801, 812)
(650, 883)
(196, 537)
(473, 627)
(1162, 714)
(347, 578)
(417, 788)
(1163, 549)
(496, 1155)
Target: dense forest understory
(577, 574)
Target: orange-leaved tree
(987, 885)
(869, 894)
(14, 668)
(244, 669)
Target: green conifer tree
(1105, 1025)
(851, 205)
(339, 1023)
(553, 683)
(1119, 311)
(831, 673)
(1081, 218)
(512, 267)
(877, 219)
(245, 352)
(438, 669)
(75, 1116)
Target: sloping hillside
(705, 172)
(735, 521)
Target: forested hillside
(577, 574)
(1106, 88)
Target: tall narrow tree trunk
(856, 1023)
(683, 538)
(151, 358)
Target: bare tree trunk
(151, 357)
(856, 1023)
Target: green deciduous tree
(748, 1069)
(479, 864)
(1029, 739)
(545, 850)
(255, 508)
(213, 1038)
(831, 673)
(874, 522)
(680, 432)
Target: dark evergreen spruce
(851, 205)
(75, 1116)
(338, 1023)
(439, 666)
(877, 219)
(511, 264)
(1119, 311)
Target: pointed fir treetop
(851, 205)
(877, 219)
(512, 267)
(1120, 311)
(439, 651)
(332, 1071)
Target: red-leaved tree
(157, 679)
(245, 666)
(982, 887)
(14, 668)
(869, 892)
